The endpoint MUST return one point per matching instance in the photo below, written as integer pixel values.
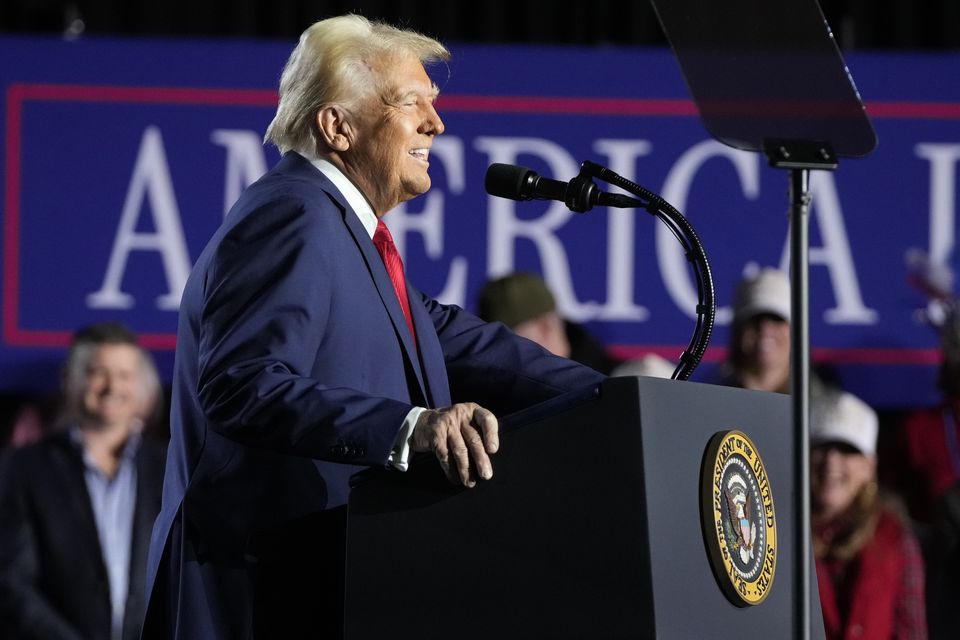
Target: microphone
(520, 183)
(580, 194)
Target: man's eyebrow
(403, 95)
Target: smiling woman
(869, 567)
(759, 355)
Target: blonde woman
(869, 566)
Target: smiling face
(838, 473)
(385, 143)
(765, 343)
(112, 392)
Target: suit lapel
(378, 272)
(431, 354)
(150, 464)
(435, 390)
(67, 461)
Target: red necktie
(383, 241)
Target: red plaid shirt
(879, 593)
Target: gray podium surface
(590, 528)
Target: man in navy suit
(304, 356)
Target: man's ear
(333, 128)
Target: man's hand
(459, 435)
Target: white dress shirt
(114, 501)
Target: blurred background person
(869, 564)
(925, 447)
(759, 353)
(77, 508)
(524, 303)
(920, 450)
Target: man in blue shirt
(77, 508)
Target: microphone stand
(582, 195)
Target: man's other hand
(462, 436)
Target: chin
(104, 418)
(418, 186)
(838, 504)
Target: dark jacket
(53, 580)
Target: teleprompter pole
(800, 157)
(800, 386)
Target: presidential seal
(739, 526)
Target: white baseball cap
(845, 418)
(767, 291)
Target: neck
(356, 178)
(104, 444)
(842, 533)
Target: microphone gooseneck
(581, 194)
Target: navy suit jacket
(53, 580)
(294, 370)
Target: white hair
(332, 65)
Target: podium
(592, 526)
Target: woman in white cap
(869, 566)
(759, 355)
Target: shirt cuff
(400, 453)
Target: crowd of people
(886, 554)
(277, 403)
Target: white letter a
(151, 179)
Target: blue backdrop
(121, 157)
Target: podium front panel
(589, 528)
